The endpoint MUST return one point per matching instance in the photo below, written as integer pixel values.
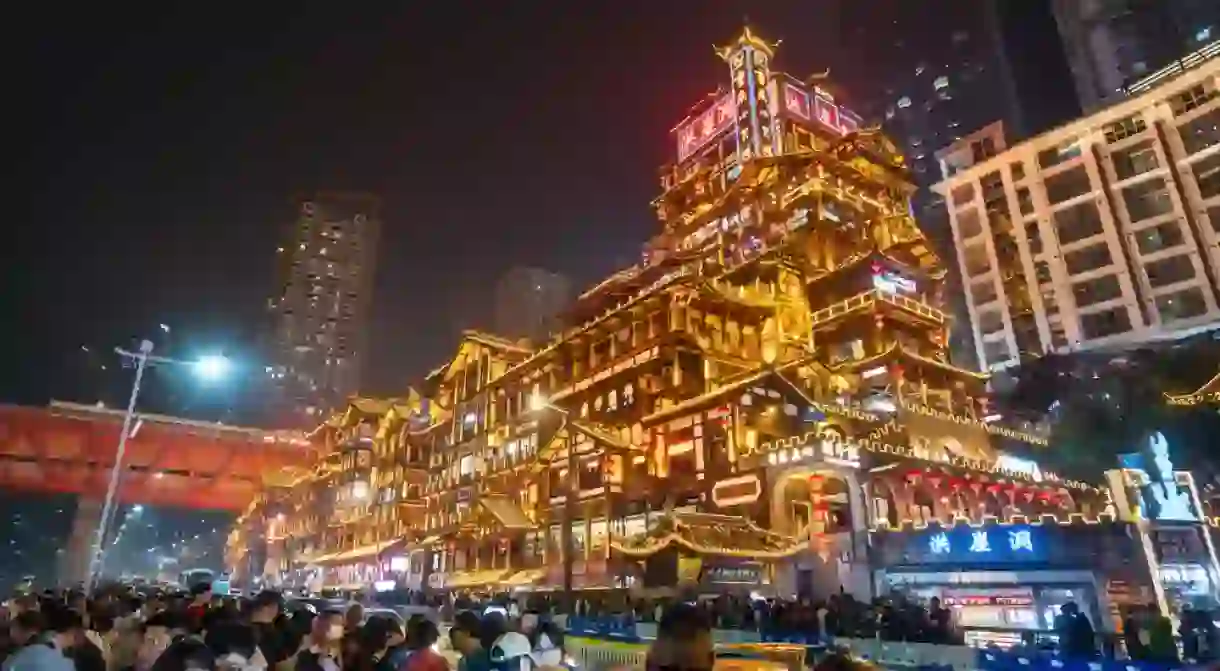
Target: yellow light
(537, 402)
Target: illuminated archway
(796, 500)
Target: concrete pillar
(74, 560)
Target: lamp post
(211, 367)
(538, 404)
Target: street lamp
(538, 403)
(212, 367)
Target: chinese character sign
(702, 129)
(796, 101)
(1002, 544)
(1021, 540)
(805, 106)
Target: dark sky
(154, 153)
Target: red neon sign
(700, 130)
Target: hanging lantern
(896, 371)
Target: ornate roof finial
(748, 38)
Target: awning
(424, 544)
(467, 579)
(508, 514)
(319, 558)
(528, 577)
(347, 587)
(361, 553)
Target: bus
(191, 577)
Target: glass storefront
(1001, 615)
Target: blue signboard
(992, 544)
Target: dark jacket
(86, 657)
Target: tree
(1101, 404)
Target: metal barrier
(603, 643)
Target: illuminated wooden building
(770, 378)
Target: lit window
(941, 82)
(904, 102)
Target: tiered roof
(709, 534)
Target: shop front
(1007, 582)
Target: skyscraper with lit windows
(319, 310)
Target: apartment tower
(1102, 232)
(319, 311)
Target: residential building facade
(1102, 231)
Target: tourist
(421, 637)
(465, 637)
(32, 653)
(262, 613)
(320, 650)
(684, 641)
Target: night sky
(154, 154)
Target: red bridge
(70, 448)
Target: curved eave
(1210, 391)
(672, 539)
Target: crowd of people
(199, 631)
(114, 631)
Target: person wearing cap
(512, 652)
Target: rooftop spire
(748, 38)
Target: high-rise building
(1112, 44)
(947, 68)
(529, 302)
(320, 308)
(941, 70)
(1104, 231)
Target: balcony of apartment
(1205, 172)
(983, 291)
(975, 259)
(1067, 155)
(1178, 287)
(1196, 113)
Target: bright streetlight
(211, 368)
